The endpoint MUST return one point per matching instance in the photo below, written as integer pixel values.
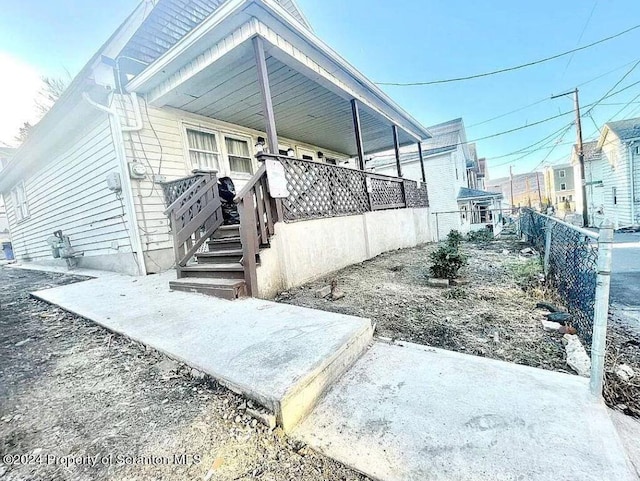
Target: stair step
(227, 231)
(222, 256)
(233, 270)
(233, 242)
(218, 287)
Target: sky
(399, 41)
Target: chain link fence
(571, 264)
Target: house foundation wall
(304, 251)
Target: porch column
(424, 177)
(358, 130)
(396, 147)
(265, 90)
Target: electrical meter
(137, 170)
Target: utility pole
(511, 178)
(539, 193)
(576, 102)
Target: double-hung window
(204, 152)
(19, 199)
(238, 154)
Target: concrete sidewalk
(409, 412)
(625, 278)
(281, 356)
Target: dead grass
(492, 314)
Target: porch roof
(212, 72)
(466, 193)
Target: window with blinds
(239, 155)
(203, 150)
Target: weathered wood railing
(258, 214)
(194, 212)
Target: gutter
(127, 188)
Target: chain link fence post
(601, 308)
(547, 245)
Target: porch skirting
(303, 251)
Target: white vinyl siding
(68, 190)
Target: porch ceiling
(304, 109)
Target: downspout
(118, 142)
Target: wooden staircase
(227, 268)
(218, 272)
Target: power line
(628, 72)
(584, 29)
(593, 105)
(509, 69)
(545, 99)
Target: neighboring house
(483, 173)
(474, 174)
(594, 185)
(480, 210)
(559, 187)
(612, 174)
(204, 86)
(446, 156)
(527, 189)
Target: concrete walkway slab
(409, 412)
(281, 356)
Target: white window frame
(251, 148)
(562, 174)
(563, 186)
(20, 208)
(200, 128)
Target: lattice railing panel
(385, 192)
(172, 190)
(416, 197)
(322, 190)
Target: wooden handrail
(195, 215)
(258, 214)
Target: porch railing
(318, 190)
(258, 214)
(194, 212)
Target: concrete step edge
(301, 398)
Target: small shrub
(482, 236)
(447, 261)
(454, 238)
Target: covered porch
(312, 119)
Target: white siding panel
(69, 192)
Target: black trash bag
(227, 192)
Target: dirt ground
(78, 403)
(491, 315)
